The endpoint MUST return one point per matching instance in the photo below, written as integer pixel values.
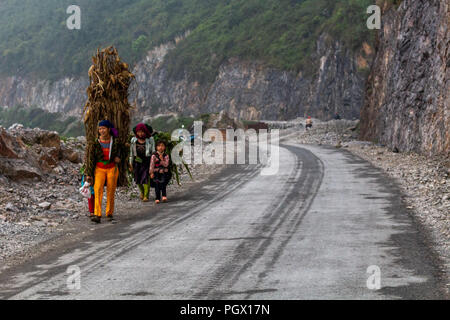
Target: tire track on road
(281, 218)
(109, 252)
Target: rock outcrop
(407, 105)
(16, 161)
(32, 153)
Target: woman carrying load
(101, 167)
(141, 149)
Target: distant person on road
(160, 174)
(308, 123)
(142, 147)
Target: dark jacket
(95, 154)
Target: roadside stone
(48, 139)
(45, 205)
(58, 170)
(73, 157)
(10, 207)
(39, 224)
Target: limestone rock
(45, 205)
(408, 92)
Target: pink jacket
(164, 162)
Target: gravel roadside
(36, 216)
(423, 181)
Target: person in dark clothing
(160, 171)
(141, 149)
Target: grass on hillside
(34, 39)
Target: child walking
(141, 149)
(91, 200)
(159, 171)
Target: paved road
(309, 232)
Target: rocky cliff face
(248, 90)
(245, 90)
(407, 105)
(67, 95)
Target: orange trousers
(109, 176)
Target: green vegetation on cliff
(34, 39)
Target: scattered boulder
(19, 169)
(49, 157)
(30, 153)
(48, 139)
(8, 145)
(73, 157)
(58, 170)
(45, 205)
(16, 126)
(69, 154)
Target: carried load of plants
(108, 93)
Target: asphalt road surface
(309, 232)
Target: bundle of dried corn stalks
(108, 93)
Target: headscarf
(108, 124)
(144, 127)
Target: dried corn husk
(108, 94)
